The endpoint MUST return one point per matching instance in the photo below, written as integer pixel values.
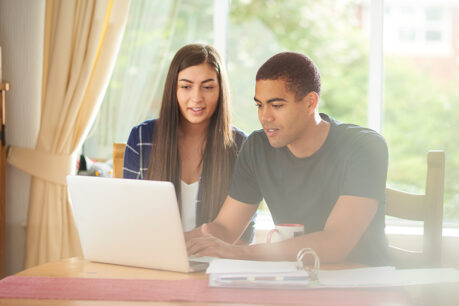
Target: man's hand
(343, 229)
(208, 245)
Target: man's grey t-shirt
(352, 161)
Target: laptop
(130, 222)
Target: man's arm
(230, 223)
(344, 227)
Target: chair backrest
(426, 207)
(118, 157)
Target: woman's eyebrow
(205, 81)
(208, 80)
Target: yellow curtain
(82, 38)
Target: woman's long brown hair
(220, 150)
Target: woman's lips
(197, 110)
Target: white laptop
(130, 222)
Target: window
(421, 61)
(334, 39)
(421, 77)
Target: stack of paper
(256, 274)
(269, 274)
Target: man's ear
(312, 100)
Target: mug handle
(270, 235)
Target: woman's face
(197, 93)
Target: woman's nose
(196, 95)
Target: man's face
(284, 119)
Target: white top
(189, 198)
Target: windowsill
(264, 222)
(448, 231)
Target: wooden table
(438, 294)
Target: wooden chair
(426, 207)
(118, 157)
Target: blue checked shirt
(138, 149)
(137, 157)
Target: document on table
(285, 275)
(256, 274)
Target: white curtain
(138, 74)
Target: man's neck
(313, 138)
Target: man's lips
(271, 131)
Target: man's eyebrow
(271, 100)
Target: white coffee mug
(284, 232)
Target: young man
(310, 169)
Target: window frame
(376, 75)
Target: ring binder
(266, 274)
(232, 273)
(312, 272)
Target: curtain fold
(82, 38)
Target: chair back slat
(118, 157)
(408, 206)
(433, 224)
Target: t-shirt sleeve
(366, 170)
(131, 162)
(244, 186)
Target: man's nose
(265, 115)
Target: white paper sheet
(250, 266)
(386, 277)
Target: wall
(21, 39)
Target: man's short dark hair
(296, 69)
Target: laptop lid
(128, 222)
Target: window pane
(433, 13)
(432, 35)
(335, 39)
(421, 77)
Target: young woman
(191, 144)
